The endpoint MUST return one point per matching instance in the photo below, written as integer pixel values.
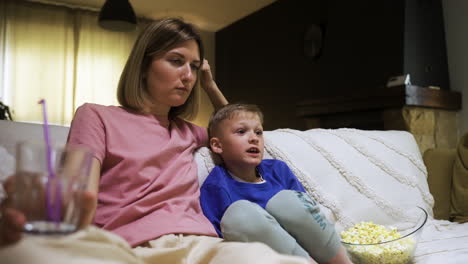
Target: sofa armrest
(439, 163)
(459, 195)
(12, 132)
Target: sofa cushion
(459, 199)
(439, 163)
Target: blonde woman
(144, 175)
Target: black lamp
(117, 15)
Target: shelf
(380, 99)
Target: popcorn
(369, 233)
(395, 252)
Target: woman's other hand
(12, 220)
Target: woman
(144, 173)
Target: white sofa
(353, 174)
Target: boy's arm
(291, 181)
(214, 200)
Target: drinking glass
(49, 184)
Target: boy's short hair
(228, 111)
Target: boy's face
(240, 140)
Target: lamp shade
(117, 15)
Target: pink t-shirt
(149, 181)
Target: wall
(457, 42)
(260, 58)
(425, 53)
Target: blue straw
(53, 208)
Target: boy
(251, 199)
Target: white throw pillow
(358, 175)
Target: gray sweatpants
(291, 224)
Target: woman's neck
(162, 115)
(163, 120)
(160, 111)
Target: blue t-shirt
(220, 190)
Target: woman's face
(171, 77)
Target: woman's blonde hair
(156, 39)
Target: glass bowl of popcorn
(369, 242)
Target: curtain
(60, 55)
(2, 47)
(101, 56)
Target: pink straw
(53, 208)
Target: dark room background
(262, 58)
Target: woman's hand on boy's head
(211, 88)
(206, 77)
(205, 68)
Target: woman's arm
(209, 85)
(89, 199)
